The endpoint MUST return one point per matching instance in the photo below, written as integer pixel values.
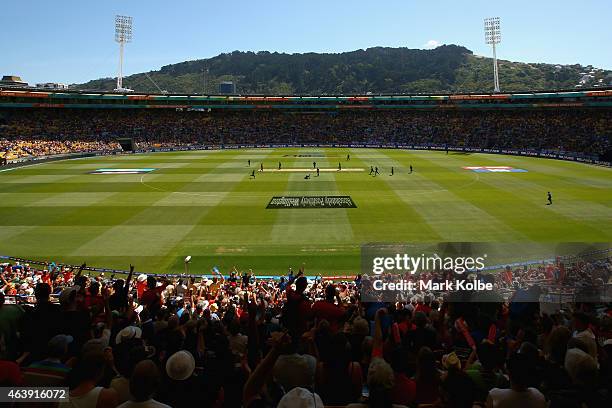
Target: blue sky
(72, 40)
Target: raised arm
(377, 344)
(83, 266)
(260, 376)
(129, 278)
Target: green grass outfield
(205, 205)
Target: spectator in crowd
(483, 372)
(519, 394)
(10, 319)
(327, 309)
(30, 133)
(53, 369)
(264, 344)
(41, 323)
(85, 391)
(144, 383)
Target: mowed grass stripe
(594, 183)
(313, 226)
(380, 205)
(142, 234)
(524, 211)
(576, 204)
(98, 215)
(452, 216)
(222, 230)
(587, 205)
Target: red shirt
(67, 276)
(96, 300)
(152, 297)
(328, 311)
(140, 288)
(304, 308)
(421, 307)
(404, 390)
(10, 374)
(404, 327)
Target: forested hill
(448, 68)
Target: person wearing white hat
(180, 365)
(300, 398)
(128, 333)
(141, 285)
(184, 388)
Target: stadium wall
(512, 152)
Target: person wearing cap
(52, 370)
(141, 285)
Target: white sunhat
(127, 333)
(141, 278)
(180, 365)
(300, 398)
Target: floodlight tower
(492, 38)
(123, 35)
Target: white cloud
(431, 44)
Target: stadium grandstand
(568, 124)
